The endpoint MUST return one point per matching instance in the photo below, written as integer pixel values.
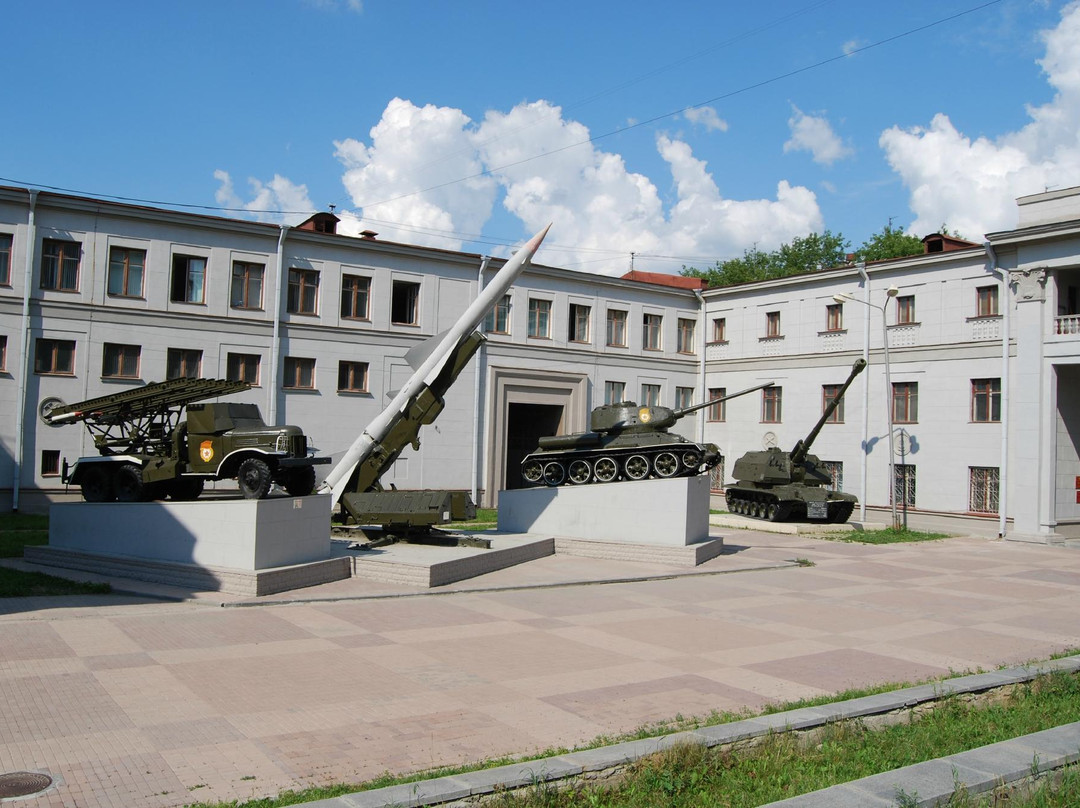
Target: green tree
(891, 242)
(802, 254)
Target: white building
(983, 346)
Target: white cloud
(414, 149)
(356, 6)
(852, 45)
(814, 134)
(279, 200)
(707, 117)
(971, 183)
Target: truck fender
(75, 474)
(231, 462)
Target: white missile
(429, 369)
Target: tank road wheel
(580, 472)
(254, 477)
(759, 510)
(532, 471)
(691, 459)
(129, 484)
(554, 474)
(772, 512)
(606, 469)
(299, 482)
(97, 486)
(186, 489)
(637, 467)
(666, 464)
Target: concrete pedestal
(669, 513)
(244, 546)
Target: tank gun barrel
(802, 448)
(687, 410)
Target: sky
(652, 135)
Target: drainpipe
(861, 267)
(24, 355)
(476, 387)
(1003, 487)
(275, 340)
(701, 371)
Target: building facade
(982, 383)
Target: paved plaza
(134, 700)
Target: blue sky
(467, 125)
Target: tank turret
(778, 485)
(625, 442)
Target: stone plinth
(242, 534)
(672, 513)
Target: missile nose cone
(533, 244)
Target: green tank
(625, 442)
(778, 485)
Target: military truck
(150, 450)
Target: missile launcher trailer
(778, 485)
(150, 450)
(626, 442)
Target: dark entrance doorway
(525, 425)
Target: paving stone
(932, 780)
(1005, 761)
(1055, 747)
(842, 796)
(518, 775)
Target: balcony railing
(1069, 324)
(717, 350)
(985, 328)
(832, 340)
(903, 336)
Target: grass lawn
(17, 530)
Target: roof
(662, 279)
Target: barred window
(904, 485)
(835, 470)
(983, 486)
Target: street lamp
(891, 292)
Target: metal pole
(889, 409)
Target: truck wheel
(97, 486)
(185, 489)
(299, 482)
(129, 484)
(254, 477)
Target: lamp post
(891, 292)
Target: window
(684, 397)
(50, 462)
(5, 258)
(650, 336)
(247, 285)
(60, 265)
(828, 393)
(986, 400)
(498, 319)
(835, 470)
(905, 397)
(650, 395)
(616, 328)
(904, 485)
(188, 279)
(299, 373)
(183, 363)
(771, 405)
(772, 324)
(352, 377)
(126, 272)
(986, 302)
(355, 295)
(905, 309)
(303, 291)
(684, 341)
(54, 356)
(614, 392)
(539, 318)
(241, 367)
(120, 361)
(718, 411)
(834, 317)
(719, 329)
(405, 303)
(983, 488)
(3, 352)
(579, 323)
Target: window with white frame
(904, 485)
(983, 487)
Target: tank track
(610, 465)
(768, 506)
